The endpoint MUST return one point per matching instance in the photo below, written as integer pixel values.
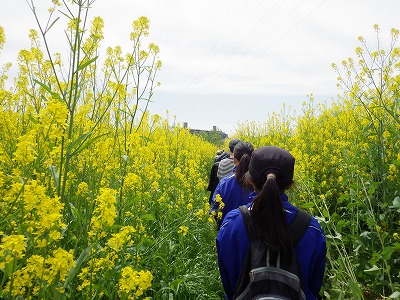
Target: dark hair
(270, 171)
(242, 152)
(232, 144)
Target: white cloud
(231, 50)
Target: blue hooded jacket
(233, 195)
(232, 243)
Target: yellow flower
(12, 247)
(25, 153)
(392, 172)
(218, 199)
(83, 189)
(104, 212)
(199, 214)
(132, 181)
(118, 240)
(59, 265)
(183, 230)
(133, 284)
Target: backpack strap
(297, 226)
(246, 219)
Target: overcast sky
(227, 61)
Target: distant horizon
(207, 117)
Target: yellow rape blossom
(83, 189)
(26, 150)
(12, 247)
(218, 199)
(2, 37)
(40, 272)
(183, 230)
(43, 214)
(393, 172)
(118, 240)
(104, 212)
(133, 284)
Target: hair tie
(271, 176)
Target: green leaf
(85, 64)
(86, 144)
(176, 284)
(396, 204)
(148, 217)
(75, 212)
(145, 138)
(78, 141)
(51, 25)
(373, 269)
(395, 295)
(388, 251)
(10, 267)
(340, 225)
(48, 89)
(33, 119)
(343, 197)
(54, 174)
(355, 289)
(45, 87)
(78, 265)
(307, 205)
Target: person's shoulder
(232, 219)
(228, 179)
(314, 231)
(315, 226)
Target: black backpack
(213, 181)
(260, 280)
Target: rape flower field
(102, 200)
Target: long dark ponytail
(271, 172)
(242, 152)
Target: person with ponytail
(233, 191)
(270, 173)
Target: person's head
(219, 152)
(271, 160)
(241, 159)
(270, 173)
(232, 144)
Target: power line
(235, 50)
(272, 44)
(191, 104)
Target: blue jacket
(232, 243)
(232, 194)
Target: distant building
(209, 133)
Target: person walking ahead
(271, 173)
(232, 190)
(222, 167)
